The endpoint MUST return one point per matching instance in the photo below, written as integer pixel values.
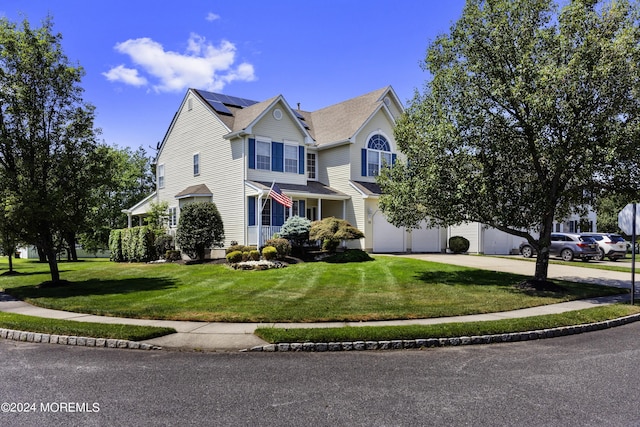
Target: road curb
(35, 337)
(444, 342)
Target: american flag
(276, 194)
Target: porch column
(129, 220)
(319, 210)
(259, 220)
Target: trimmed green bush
(282, 246)
(200, 227)
(458, 244)
(132, 244)
(115, 245)
(254, 255)
(269, 253)
(234, 257)
(241, 248)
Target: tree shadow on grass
(93, 288)
(470, 277)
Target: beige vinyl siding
(379, 123)
(199, 131)
(284, 130)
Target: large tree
(531, 111)
(46, 133)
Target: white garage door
(425, 240)
(497, 242)
(386, 237)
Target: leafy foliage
(331, 231)
(458, 244)
(133, 244)
(282, 246)
(200, 227)
(49, 156)
(532, 112)
(269, 253)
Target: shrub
(296, 229)
(115, 245)
(241, 248)
(245, 256)
(269, 253)
(164, 243)
(132, 244)
(458, 244)
(173, 255)
(351, 255)
(254, 255)
(331, 231)
(234, 257)
(282, 246)
(200, 227)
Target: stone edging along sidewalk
(11, 334)
(445, 342)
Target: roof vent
(277, 114)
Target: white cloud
(122, 74)
(212, 17)
(203, 65)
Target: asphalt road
(587, 380)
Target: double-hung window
(311, 166)
(291, 158)
(263, 155)
(160, 174)
(196, 164)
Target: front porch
(314, 201)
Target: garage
(426, 240)
(386, 236)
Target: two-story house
(230, 151)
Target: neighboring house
(230, 151)
(489, 241)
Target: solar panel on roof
(220, 107)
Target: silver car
(612, 246)
(567, 246)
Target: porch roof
(200, 190)
(367, 189)
(312, 190)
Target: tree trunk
(42, 256)
(72, 254)
(10, 262)
(542, 265)
(53, 265)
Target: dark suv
(567, 246)
(611, 245)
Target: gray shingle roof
(335, 123)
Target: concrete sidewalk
(218, 336)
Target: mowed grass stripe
(386, 288)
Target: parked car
(612, 246)
(566, 246)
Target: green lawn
(82, 329)
(386, 288)
(447, 330)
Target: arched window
(378, 154)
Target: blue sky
(141, 56)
